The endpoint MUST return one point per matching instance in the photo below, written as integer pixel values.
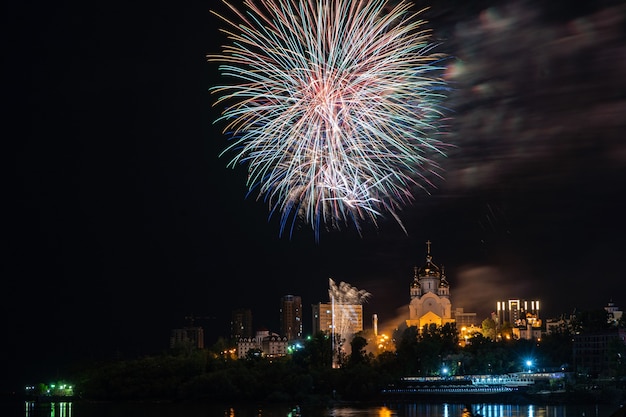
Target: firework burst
(333, 105)
(344, 299)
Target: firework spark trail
(344, 297)
(334, 107)
(344, 293)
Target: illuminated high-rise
(518, 312)
(522, 316)
(291, 317)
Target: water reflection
(45, 409)
(505, 410)
(385, 412)
(88, 409)
(371, 411)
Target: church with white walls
(430, 295)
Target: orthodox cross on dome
(428, 257)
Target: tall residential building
(241, 324)
(430, 295)
(291, 317)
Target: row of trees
(308, 374)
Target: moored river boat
(466, 386)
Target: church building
(430, 295)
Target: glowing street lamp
(529, 364)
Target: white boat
(461, 385)
(508, 380)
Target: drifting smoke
(536, 99)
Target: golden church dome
(429, 269)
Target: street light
(529, 364)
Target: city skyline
(123, 219)
(399, 318)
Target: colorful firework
(334, 106)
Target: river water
(91, 409)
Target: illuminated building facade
(464, 319)
(523, 317)
(269, 344)
(346, 320)
(291, 317)
(615, 314)
(430, 295)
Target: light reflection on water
(510, 410)
(53, 409)
(86, 409)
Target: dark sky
(122, 220)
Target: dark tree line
(308, 374)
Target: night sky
(121, 220)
